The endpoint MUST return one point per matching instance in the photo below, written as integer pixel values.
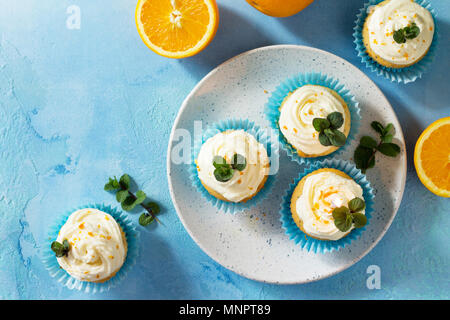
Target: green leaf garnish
(223, 173)
(328, 129)
(356, 204)
(336, 119)
(125, 182)
(60, 249)
(345, 217)
(399, 36)
(336, 137)
(113, 184)
(320, 124)
(364, 155)
(368, 142)
(238, 162)
(323, 139)
(389, 149)
(128, 200)
(359, 220)
(129, 203)
(145, 219)
(121, 195)
(409, 32)
(219, 161)
(342, 218)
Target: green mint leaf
(125, 182)
(362, 157)
(121, 195)
(145, 219)
(223, 174)
(129, 203)
(399, 36)
(378, 127)
(154, 207)
(219, 161)
(368, 142)
(336, 119)
(140, 197)
(112, 184)
(389, 149)
(342, 218)
(320, 124)
(356, 204)
(412, 31)
(388, 129)
(359, 220)
(336, 137)
(59, 249)
(387, 138)
(238, 162)
(323, 139)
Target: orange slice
(432, 157)
(177, 28)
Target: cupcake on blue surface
(91, 248)
(231, 164)
(315, 115)
(308, 212)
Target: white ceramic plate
(252, 243)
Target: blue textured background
(77, 106)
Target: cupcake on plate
(315, 120)
(398, 33)
(91, 246)
(327, 204)
(233, 166)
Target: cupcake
(398, 33)
(315, 120)
(232, 166)
(91, 246)
(327, 204)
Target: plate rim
(170, 144)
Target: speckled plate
(252, 243)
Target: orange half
(177, 28)
(432, 157)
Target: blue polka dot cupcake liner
(400, 75)
(51, 263)
(263, 136)
(322, 246)
(272, 111)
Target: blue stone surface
(79, 105)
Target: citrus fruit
(177, 28)
(280, 8)
(432, 157)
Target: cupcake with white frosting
(232, 165)
(327, 204)
(315, 120)
(91, 246)
(398, 33)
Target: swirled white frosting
(392, 16)
(244, 183)
(97, 246)
(297, 114)
(322, 192)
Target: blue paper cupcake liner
(322, 246)
(51, 263)
(261, 136)
(407, 74)
(272, 111)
